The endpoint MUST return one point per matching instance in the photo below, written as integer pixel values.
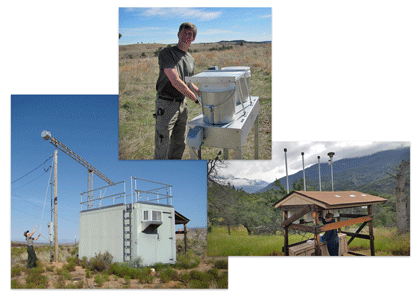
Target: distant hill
(366, 173)
(244, 41)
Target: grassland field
(239, 243)
(138, 73)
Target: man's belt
(170, 98)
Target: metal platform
(228, 136)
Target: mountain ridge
(363, 172)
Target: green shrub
(50, 268)
(74, 251)
(78, 285)
(87, 272)
(222, 281)
(144, 276)
(60, 283)
(136, 263)
(197, 284)
(64, 273)
(168, 275)
(101, 261)
(127, 280)
(15, 271)
(214, 272)
(70, 267)
(187, 261)
(35, 279)
(73, 260)
(197, 275)
(114, 269)
(98, 279)
(159, 266)
(185, 278)
(221, 264)
(16, 285)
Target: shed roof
(180, 219)
(328, 199)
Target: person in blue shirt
(331, 237)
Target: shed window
(146, 215)
(156, 215)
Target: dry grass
(137, 78)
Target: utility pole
(46, 135)
(55, 205)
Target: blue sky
(160, 25)
(88, 125)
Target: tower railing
(104, 196)
(143, 190)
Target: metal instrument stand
(227, 136)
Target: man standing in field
(170, 105)
(31, 263)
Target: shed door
(164, 250)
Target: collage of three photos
(157, 186)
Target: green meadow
(239, 243)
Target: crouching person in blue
(331, 237)
(31, 252)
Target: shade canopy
(328, 199)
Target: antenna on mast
(319, 173)
(287, 176)
(331, 154)
(303, 167)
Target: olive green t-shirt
(169, 58)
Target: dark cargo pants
(170, 129)
(31, 258)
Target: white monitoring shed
(143, 229)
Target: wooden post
(55, 205)
(185, 238)
(286, 235)
(315, 216)
(338, 220)
(369, 211)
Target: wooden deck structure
(180, 219)
(312, 205)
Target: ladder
(127, 233)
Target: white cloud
(270, 170)
(184, 12)
(214, 32)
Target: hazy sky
(270, 170)
(161, 24)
